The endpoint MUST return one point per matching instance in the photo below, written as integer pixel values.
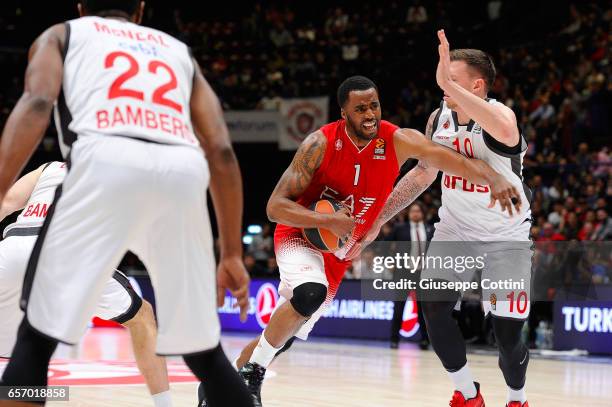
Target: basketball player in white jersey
(119, 302)
(144, 134)
(478, 127)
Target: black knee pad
(508, 335)
(444, 334)
(432, 310)
(30, 358)
(308, 297)
(513, 353)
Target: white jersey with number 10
(123, 79)
(465, 205)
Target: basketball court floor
(322, 372)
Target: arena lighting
(254, 229)
(247, 239)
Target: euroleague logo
(265, 303)
(410, 318)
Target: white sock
(464, 382)
(162, 399)
(517, 395)
(263, 352)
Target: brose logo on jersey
(456, 182)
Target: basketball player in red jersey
(354, 160)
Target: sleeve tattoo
(307, 160)
(405, 192)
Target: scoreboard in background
(348, 315)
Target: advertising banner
(253, 126)
(299, 118)
(586, 325)
(348, 315)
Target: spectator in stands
(271, 101)
(272, 268)
(262, 246)
(254, 269)
(494, 10)
(549, 234)
(280, 36)
(418, 233)
(417, 14)
(569, 226)
(603, 227)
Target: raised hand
(443, 76)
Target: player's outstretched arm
(496, 119)
(17, 196)
(225, 189)
(29, 119)
(410, 143)
(411, 185)
(405, 191)
(282, 207)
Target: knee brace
(29, 362)
(444, 334)
(308, 297)
(513, 353)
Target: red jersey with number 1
(361, 178)
(123, 79)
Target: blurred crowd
(553, 72)
(552, 57)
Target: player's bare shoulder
(52, 36)
(311, 152)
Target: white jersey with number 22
(123, 79)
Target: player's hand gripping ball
(324, 239)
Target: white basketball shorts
(300, 263)
(125, 194)
(504, 278)
(119, 301)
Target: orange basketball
(323, 239)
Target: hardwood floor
(325, 373)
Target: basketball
(323, 239)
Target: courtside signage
(348, 315)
